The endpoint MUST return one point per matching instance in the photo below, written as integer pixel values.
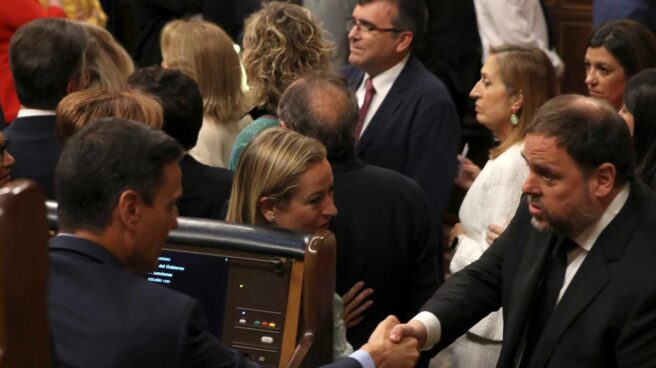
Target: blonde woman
(284, 180)
(515, 82)
(108, 64)
(206, 53)
(80, 108)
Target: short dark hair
(101, 161)
(631, 43)
(45, 55)
(180, 99)
(640, 99)
(412, 16)
(320, 105)
(591, 132)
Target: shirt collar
(384, 81)
(25, 112)
(589, 236)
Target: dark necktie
(546, 296)
(368, 95)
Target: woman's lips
(596, 94)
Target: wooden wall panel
(571, 22)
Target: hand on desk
(386, 353)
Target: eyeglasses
(364, 26)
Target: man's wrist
(432, 327)
(363, 356)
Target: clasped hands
(393, 344)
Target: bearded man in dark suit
(574, 271)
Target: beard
(577, 217)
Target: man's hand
(355, 304)
(414, 329)
(385, 353)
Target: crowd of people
(552, 251)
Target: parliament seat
(24, 337)
(267, 292)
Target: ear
(406, 41)
(517, 100)
(129, 208)
(267, 208)
(604, 180)
(283, 124)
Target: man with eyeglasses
(408, 122)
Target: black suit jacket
(607, 316)
(34, 145)
(205, 189)
(382, 225)
(104, 316)
(414, 132)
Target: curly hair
(281, 42)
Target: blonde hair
(80, 108)
(525, 70)
(281, 42)
(270, 166)
(108, 64)
(203, 51)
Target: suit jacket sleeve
(343, 363)
(432, 151)
(476, 291)
(635, 347)
(200, 349)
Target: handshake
(393, 344)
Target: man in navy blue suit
(408, 122)
(117, 185)
(47, 63)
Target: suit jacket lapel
(391, 103)
(533, 262)
(592, 276)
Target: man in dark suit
(408, 121)
(47, 63)
(205, 189)
(383, 222)
(574, 271)
(117, 185)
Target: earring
(514, 120)
(272, 221)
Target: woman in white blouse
(515, 82)
(203, 51)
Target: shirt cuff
(363, 358)
(433, 329)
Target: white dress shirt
(25, 112)
(383, 82)
(575, 258)
(514, 22)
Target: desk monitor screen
(201, 276)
